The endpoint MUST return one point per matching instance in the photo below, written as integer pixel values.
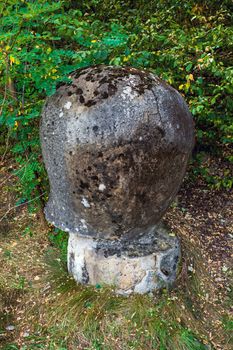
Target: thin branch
(4, 98)
(7, 145)
(16, 172)
(19, 205)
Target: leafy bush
(42, 41)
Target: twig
(16, 172)
(7, 145)
(19, 205)
(4, 98)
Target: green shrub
(41, 42)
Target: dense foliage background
(188, 43)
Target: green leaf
(188, 67)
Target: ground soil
(201, 216)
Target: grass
(39, 298)
(96, 318)
(64, 315)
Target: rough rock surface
(115, 143)
(98, 261)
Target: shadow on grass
(185, 318)
(189, 317)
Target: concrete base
(100, 262)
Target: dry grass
(49, 311)
(169, 319)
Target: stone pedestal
(140, 266)
(115, 143)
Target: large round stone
(115, 142)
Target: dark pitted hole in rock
(84, 185)
(103, 80)
(111, 89)
(104, 95)
(161, 131)
(90, 103)
(165, 272)
(95, 128)
(131, 167)
(81, 99)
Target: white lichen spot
(127, 92)
(83, 223)
(85, 203)
(68, 105)
(61, 114)
(102, 187)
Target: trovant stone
(115, 143)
